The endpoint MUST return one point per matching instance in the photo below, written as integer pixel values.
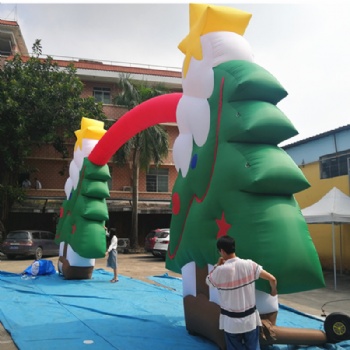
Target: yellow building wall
(321, 234)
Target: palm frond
(154, 146)
(128, 95)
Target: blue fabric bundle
(40, 267)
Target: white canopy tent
(333, 208)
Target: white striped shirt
(235, 281)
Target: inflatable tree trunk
(240, 183)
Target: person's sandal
(113, 281)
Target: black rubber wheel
(38, 253)
(337, 327)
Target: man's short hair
(227, 244)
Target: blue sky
(303, 44)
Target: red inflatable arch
(160, 109)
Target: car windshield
(151, 234)
(18, 235)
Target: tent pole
(341, 249)
(334, 259)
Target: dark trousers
(243, 341)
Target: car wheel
(337, 327)
(10, 256)
(38, 253)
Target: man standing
(26, 183)
(235, 280)
(38, 184)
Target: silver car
(35, 243)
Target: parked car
(29, 243)
(151, 238)
(161, 245)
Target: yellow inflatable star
(206, 19)
(89, 129)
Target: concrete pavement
(139, 266)
(322, 301)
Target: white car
(161, 245)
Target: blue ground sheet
(49, 312)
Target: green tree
(150, 145)
(40, 104)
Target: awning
(46, 206)
(144, 207)
(32, 205)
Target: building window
(157, 180)
(334, 165)
(102, 94)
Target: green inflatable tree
(240, 183)
(83, 215)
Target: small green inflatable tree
(83, 215)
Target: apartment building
(11, 39)
(41, 207)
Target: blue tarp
(49, 312)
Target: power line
(14, 12)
